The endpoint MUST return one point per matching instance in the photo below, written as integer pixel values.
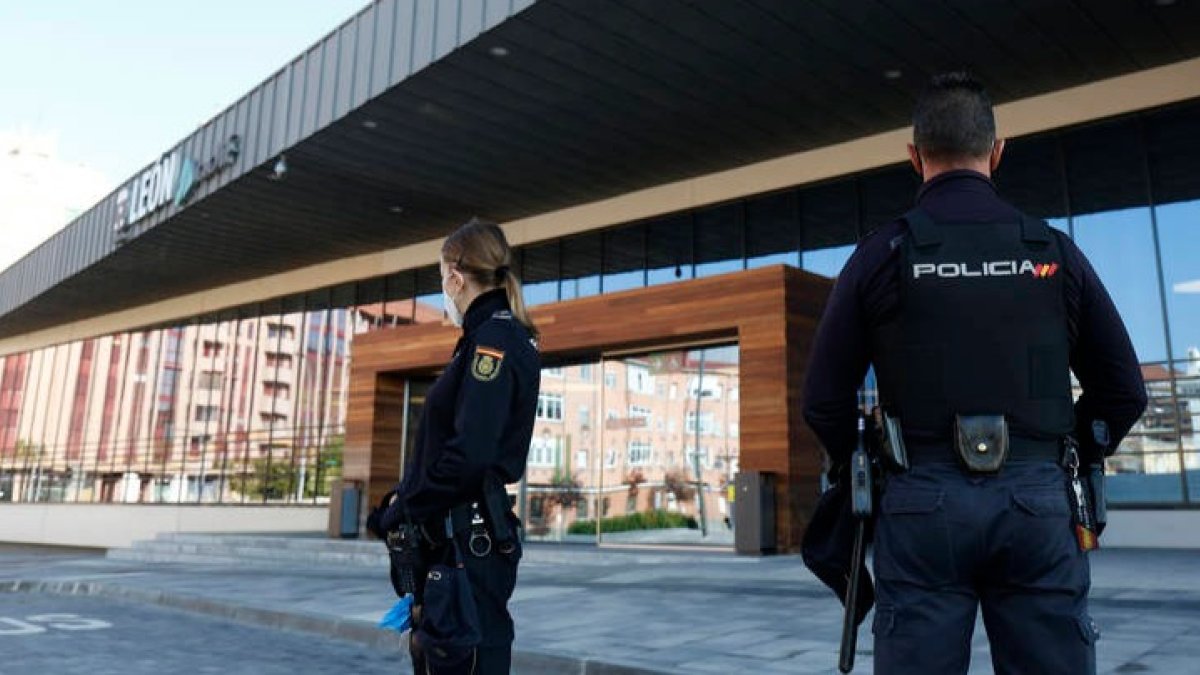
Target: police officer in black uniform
(474, 439)
(973, 316)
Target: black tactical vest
(982, 329)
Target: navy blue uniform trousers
(493, 579)
(948, 542)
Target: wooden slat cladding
(770, 312)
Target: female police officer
(474, 439)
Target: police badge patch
(486, 365)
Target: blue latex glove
(399, 617)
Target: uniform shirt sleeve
(481, 413)
(841, 354)
(1102, 356)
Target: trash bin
(754, 513)
(345, 509)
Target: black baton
(860, 505)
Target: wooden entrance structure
(771, 313)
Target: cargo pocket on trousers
(1040, 541)
(1087, 629)
(912, 540)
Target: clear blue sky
(119, 82)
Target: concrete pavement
(585, 610)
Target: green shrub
(642, 520)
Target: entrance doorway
(636, 449)
(412, 405)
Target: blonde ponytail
(516, 302)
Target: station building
(251, 322)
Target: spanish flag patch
(486, 365)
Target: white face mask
(452, 310)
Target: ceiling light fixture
(498, 51)
(281, 168)
(370, 124)
(396, 209)
(892, 74)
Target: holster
(487, 521)
(1095, 483)
(981, 442)
(890, 442)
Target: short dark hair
(953, 119)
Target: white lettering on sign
(148, 192)
(993, 268)
(29, 625)
(172, 179)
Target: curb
(360, 632)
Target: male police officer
(972, 315)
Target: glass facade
(249, 405)
(635, 449)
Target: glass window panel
(1179, 242)
(827, 261)
(1187, 389)
(671, 444)
(539, 273)
(559, 477)
(1030, 176)
(830, 224)
(1120, 246)
(1145, 469)
(399, 305)
(624, 258)
(429, 307)
(1106, 167)
(718, 233)
(670, 249)
(370, 291)
(580, 266)
(1174, 149)
(887, 194)
(773, 230)
(829, 215)
(1146, 466)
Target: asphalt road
(68, 635)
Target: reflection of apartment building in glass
(622, 434)
(1171, 421)
(720, 159)
(192, 413)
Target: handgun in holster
(1095, 474)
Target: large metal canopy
(415, 115)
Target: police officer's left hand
(385, 517)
